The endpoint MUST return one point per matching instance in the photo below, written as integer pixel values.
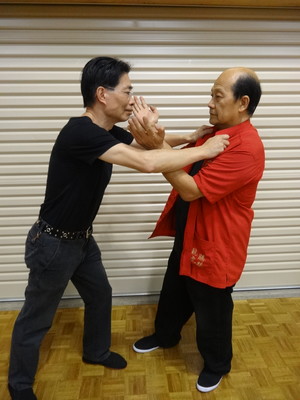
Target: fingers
(207, 129)
(141, 130)
(225, 140)
(153, 109)
(217, 144)
(137, 106)
(147, 125)
(135, 125)
(139, 102)
(143, 102)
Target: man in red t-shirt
(209, 213)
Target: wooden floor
(266, 364)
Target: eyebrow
(217, 89)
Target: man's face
(223, 108)
(119, 101)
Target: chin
(127, 116)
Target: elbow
(148, 165)
(189, 196)
(147, 168)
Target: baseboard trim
(238, 294)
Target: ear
(101, 94)
(244, 103)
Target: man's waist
(63, 233)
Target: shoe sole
(204, 389)
(137, 350)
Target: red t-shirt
(218, 225)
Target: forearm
(157, 160)
(165, 160)
(177, 140)
(184, 184)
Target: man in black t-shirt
(60, 246)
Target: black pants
(52, 263)
(180, 297)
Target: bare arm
(177, 140)
(163, 160)
(184, 184)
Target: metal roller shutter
(175, 63)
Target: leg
(174, 307)
(49, 275)
(213, 310)
(173, 311)
(92, 284)
(91, 281)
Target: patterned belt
(61, 234)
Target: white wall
(175, 63)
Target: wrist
(203, 153)
(190, 138)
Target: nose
(131, 100)
(211, 103)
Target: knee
(99, 295)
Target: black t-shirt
(77, 179)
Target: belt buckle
(88, 232)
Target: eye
(129, 93)
(216, 96)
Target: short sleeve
(227, 173)
(121, 134)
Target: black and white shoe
(208, 381)
(146, 344)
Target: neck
(102, 122)
(91, 115)
(226, 126)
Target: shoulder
(121, 134)
(245, 137)
(82, 130)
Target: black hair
(101, 71)
(247, 85)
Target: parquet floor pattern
(266, 363)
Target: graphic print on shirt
(197, 258)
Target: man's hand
(143, 125)
(215, 145)
(142, 111)
(199, 133)
(147, 135)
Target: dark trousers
(180, 297)
(52, 263)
